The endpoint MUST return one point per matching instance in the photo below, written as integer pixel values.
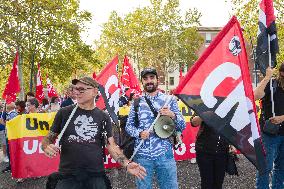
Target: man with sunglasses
(155, 154)
(81, 154)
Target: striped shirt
(154, 146)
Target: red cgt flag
(13, 84)
(219, 89)
(50, 88)
(39, 86)
(128, 79)
(109, 89)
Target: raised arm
(259, 90)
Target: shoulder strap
(65, 126)
(151, 107)
(136, 106)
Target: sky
(215, 13)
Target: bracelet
(127, 164)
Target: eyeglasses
(80, 89)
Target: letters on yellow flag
(29, 125)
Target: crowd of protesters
(211, 148)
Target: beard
(150, 87)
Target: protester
(70, 97)
(11, 113)
(2, 133)
(32, 105)
(54, 104)
(211, 155)
(156, 154)
(274, 144)
(29, 95)
(44, 107)
(81, 157)
(21, 107)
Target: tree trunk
(20, 73)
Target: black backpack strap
(136, 106)
(151, 107)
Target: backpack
(127, 142)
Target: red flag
(39, 86)
(94, 75)
(50, 88)
(128, 79)
(218, 88)
(13, 84)
(266, 26)
(109, 89)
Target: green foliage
(157, 35)
(47, 32)
(248, 12)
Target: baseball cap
(148, 71)
(86, 80)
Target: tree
(157, 35)
(248, 12)
(47, 32)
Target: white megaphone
(164, 127)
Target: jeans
(274, 147)
(165, 169)
(212, 169)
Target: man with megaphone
(158, 118)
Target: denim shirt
(154, 146)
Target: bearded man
(155, 154)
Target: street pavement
(188, 177)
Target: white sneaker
(6, 159)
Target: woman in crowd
(211, 155)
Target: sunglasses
(81, 89)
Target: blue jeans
(274, 147)
(165, 169)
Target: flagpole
(270, 82)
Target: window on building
(208, 38)
(172, 81)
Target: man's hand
(144, 134)
(51, 150)
(2, 121)
(136, 170)
(269, 72)
(277, 119)
(167, 112)
(195, 121)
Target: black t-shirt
(81, 143)
(278, 97)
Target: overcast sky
(214, 12)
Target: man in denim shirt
(155, 154)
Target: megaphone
(164, 127)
